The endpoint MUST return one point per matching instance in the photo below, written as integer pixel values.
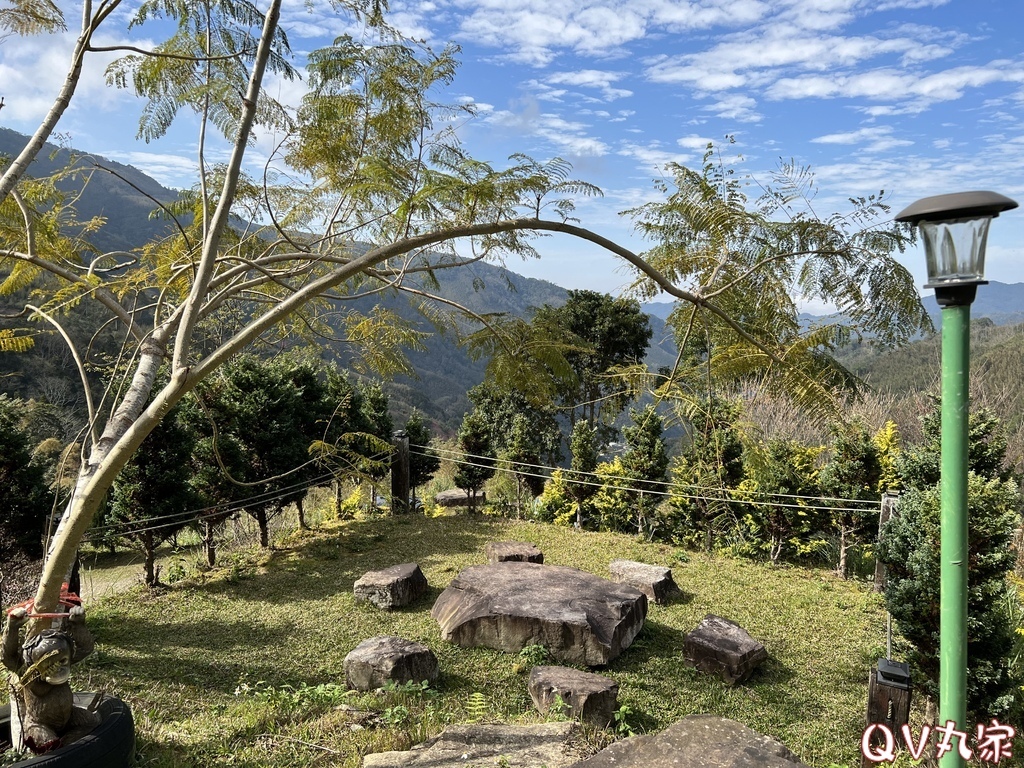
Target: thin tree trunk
(209, 544)
(844, 545)
(149, 548)
(302, 516)
(337, 498)
(261, 518)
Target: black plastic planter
(111, 744)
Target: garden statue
(41, 667)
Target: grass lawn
(243, 665)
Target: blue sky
(916, 97)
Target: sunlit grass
(244, 665)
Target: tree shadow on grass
(337, 560)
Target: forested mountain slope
(443, 371)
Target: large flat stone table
(580, 618)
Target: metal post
(956, 323)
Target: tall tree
(580, 477)
(751, 259)
(501, 407)
(909, 547)
(601, 333)
(26, 498)
(852, 474)
(522, 452)
(778, 475)
(705, 477)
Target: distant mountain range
(444, 372)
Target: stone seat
(655, 581)
(722, 647)
(392, 587)
(513, 551)
(374, 662)
(589, 697)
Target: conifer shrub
(909, 547)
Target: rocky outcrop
(486, 746)
(697, 741)
(378, 660)
(393, 587)
(655, 581)
(580, 618)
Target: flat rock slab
(655, 581)
(722, 647)
(697, 741)
(580, 618)
(392, 587)
(458, 498)
(378, 660)
(589, 697)
(486, 746)
(513, 551)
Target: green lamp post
(954, 229)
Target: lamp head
(955, 229)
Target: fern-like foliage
(32, 17)
(203, 66)
(756, 260)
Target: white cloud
(170, 170)
(891, 85)
(651, 156)
(873, 139)
(734, 106)
(694, 142)
(568, 137)
(592, 78)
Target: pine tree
(477, 465)
(580, 477)
(909, 547)
(423, 462)
(645, 463)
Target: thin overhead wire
(673, 489)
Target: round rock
(580, 618)
(374, 662)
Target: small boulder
(374, 662)
(697, 741)
(723, 648)
(392, 587)
(655, 581)
(589, 697)
(580, 618)
(513, 551)
(486, 746)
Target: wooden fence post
(400, 472)
(890, 501)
